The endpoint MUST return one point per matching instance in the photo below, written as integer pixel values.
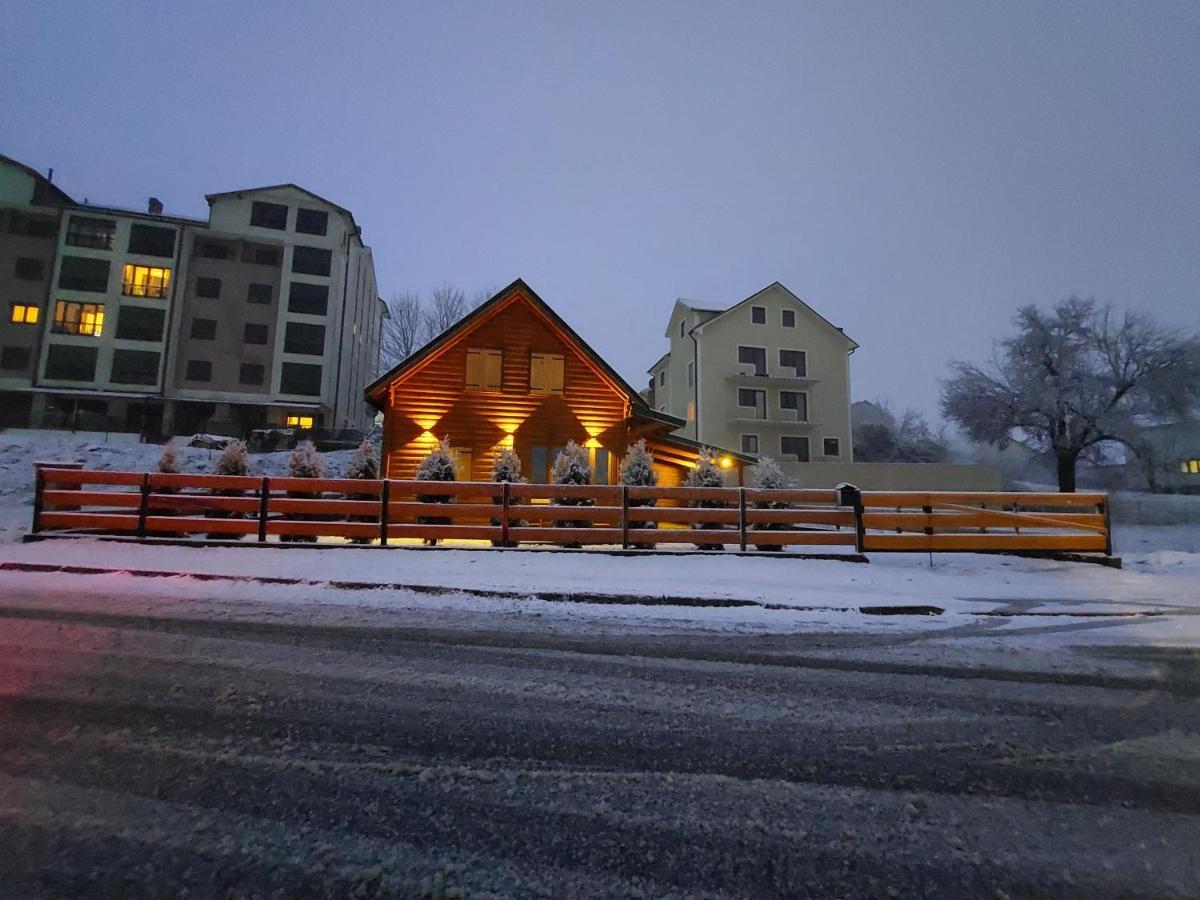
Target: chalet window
(749, 398)
(209, 288)
(483, 369)
(258, 293)
(199, 370)
(145, 281)
(254, 333)
(15, 359)
(68, 362)
(29, 268)
(85, 231)
(149, 240)
(78, 318)
(758, 315)
(796, 360)
(749, 443)
(600, 464)
(79, 273)
(311, 260)
(312, 221)
(309, 299)
(546, 373)
(831, 447)
(140, 323)
(301, 337)
(134, 367)
(203, 330)
(300, 378)
(24, 313)
(251, 373)
(787, 318)
(797, 401)
(753, 356)
(269, 215)
(793, 448)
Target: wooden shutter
(555, 368)
(492, 369)
(546, 373)
(474, 369)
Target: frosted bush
(438, 465)
(363, 462)
(571, 465)
(637, 468)
(507, 467)
(769, 476)
(233, 460)
(168, 463)
(305, 461)
(707, 474)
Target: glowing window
(1191, 467)
(145, 281)
(23, 312)
(303, 422)
(78, 318)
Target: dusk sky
(914, 171)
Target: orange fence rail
(364, 511)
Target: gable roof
(278, 187)
(781, 286)
(374, 391)
(43, 187)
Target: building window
(546, 373)
(301, 379)
(254, 334)
(682, 325)
(797, 401)
(793, 448)
(749, 443)
(32, 226)
(308, 299)
(749, 398)
(251, 373)
(145, 281)
(758, 315)
(209, 288)
(301, 337)
(787, 318)
(140, 323)
(311, 260)
(302, 422)
(753, 356)
(215, 249)
(831, 447)
(203, 330)
(1190, 467)
(796, 360)
(85, 231)
(24, 313)
(134, 367)
(261, 254)
(312, 221)
(691, 373)
(258, 293)
(80, 273)
(269, 215)
(483, 369)
(662, 378)
(67, 362)
(149, 240)
(198, 370)
(15, 359)
(78, 318)
(29, 268)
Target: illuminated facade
(514, 374)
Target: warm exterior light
(726, 462)
(592, 443)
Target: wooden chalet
(514, 374)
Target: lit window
(1191, 467)
(302, 422)
(78, 318)
(145, 281)
(23, 312)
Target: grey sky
(914, 171)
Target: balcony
(133, 289)
(744, 379)
(775, 421)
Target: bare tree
(402, 330)
(447, 305)
(904, 438)
(1074, 379)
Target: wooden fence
(363, 511)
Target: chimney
(154, 206)
(50, 175)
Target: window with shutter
(546, 373)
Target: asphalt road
(205, 750)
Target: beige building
(265, 313)
(768, 376)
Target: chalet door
(538, 464)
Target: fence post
(505, 495)
(143, 505)
(264, 498)
(39, 479)
(624, 517)
(849, 495)
(742, 518)
(1106, 508)
(385, 494)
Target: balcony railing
(132, 289)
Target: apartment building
(768, 376)
(265, 313)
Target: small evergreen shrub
(305, 462)
(168, 462)
(637, 470)
(707, 474)
(231, 461)
(769, 476)
(437, 466)
(506, 468)
(571, 467)
(364, 465)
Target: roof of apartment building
(42, 185)
(286, 185)
(709, 314)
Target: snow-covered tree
(707, 474)
(571, 467)
(305, 461)
(1073, 379)
(364, 463)
(768, 476)
(507, 467)
(906, 437)
(637, 470)
(232, 460)
(168, 462)
(437, 466)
